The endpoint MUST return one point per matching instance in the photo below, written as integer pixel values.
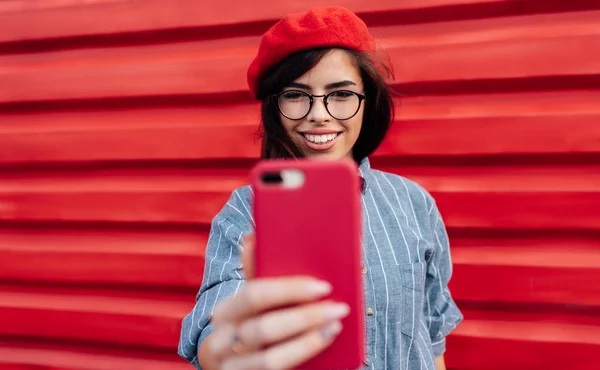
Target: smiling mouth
(321, 139)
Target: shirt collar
(363, 169)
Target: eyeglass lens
(340, 104)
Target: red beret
(319, 27)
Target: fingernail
(318, 288)
(336, 311)
(331, 330)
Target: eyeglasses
(341, 104)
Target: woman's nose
(318, 113)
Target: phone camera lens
(272, 178)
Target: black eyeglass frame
(312, 97)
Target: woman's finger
(264, 294)
(274, 327)
(288, 354)
(221, 341)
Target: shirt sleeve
(223, 277)
(443, 315)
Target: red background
(124, 125)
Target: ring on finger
(237, 346)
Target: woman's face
(319, 135)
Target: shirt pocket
(412, 290)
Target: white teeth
(320, 139)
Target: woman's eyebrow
(336, 85)
(299, 85)
(333, 85)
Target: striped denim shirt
(407, 265)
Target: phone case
(315, 230)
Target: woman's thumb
(248, 256)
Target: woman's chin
(327, 156)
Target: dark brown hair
(378, 106)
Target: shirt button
(370, 311)
(364, 270)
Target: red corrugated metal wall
(124, 125)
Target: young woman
(324, 97)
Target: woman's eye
(293, 95)
(342, 94)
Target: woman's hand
(253, 331)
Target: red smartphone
(308, 223)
